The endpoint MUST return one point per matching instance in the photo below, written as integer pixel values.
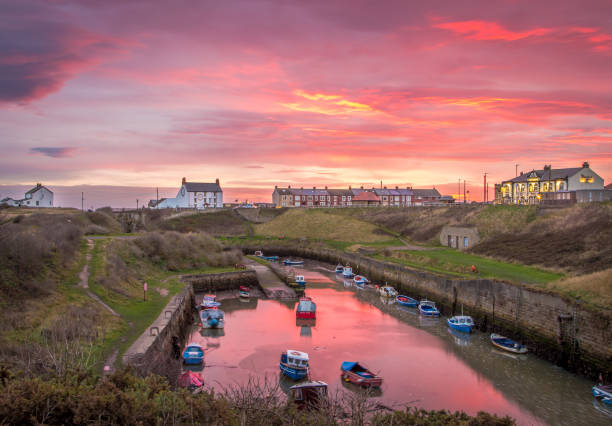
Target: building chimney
(585, 165)
(385, 187)
(396, 187)
(314, 187)
(521, 173)
(217, 181)
(289, 187)
(326, 187)
(184, 181)
(350, 188)
(275, 186)
(361, 186)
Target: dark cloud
(55, 152)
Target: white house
(197, 195)
(9, 202)
(39, 196)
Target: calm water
(421, 361)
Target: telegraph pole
(82, 202)
(136, 203)
(516, 170)
(459, 191)
(464, 191)
(485, 195)
(157, 197)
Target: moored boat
(293, 262)
(463, 323)
(193, 354)
(347, 272)
(339, 269)
(355, 373)
(294, 364)
(212, 318)
(191, 380)
(360, 280)
(603, 393)
(259, 253)
(244, 291)
(210, 297)
(309, 395)
(273, 258)
(300, 280)
(507, 344)
(306, 309)
(387, 291)
(406, 301)
(428, 308)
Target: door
(457, 241)
(450, 241)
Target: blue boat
(428, 308)
(339, 269)
(603, 393)
(193, 354)
(507, 344)
(212, 318)
(273, 258)
(293, 262)
(407, 301)
(300, 280)
(294, 364)
(462, 323)
(360, 280)
(347, 272)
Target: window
(589, 198)
(465, 241)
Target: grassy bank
(457, 263)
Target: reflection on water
(422, 361)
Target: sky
(132, 95)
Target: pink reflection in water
(417, 367)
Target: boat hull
(292, 372)
(349, 376)
(460, 327)
(245, 294)
(407, 301)
(428, 312)
(305, 315)
(602, 395)
(293, 262)
(503, 343)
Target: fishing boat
(193, 354)
(603, 393)
(507, 344)
(294, 364)
(244, 291)
(347, 272)
(355, 373)
(306, 309)
(339, 269)
(300, 280)
(428, 308)
(212, 318)
(209, 304)
(309, 395)
(191, 380)
(407, 301)
(293, 262)
(210, 297)
(387, 291)
(360, 280)
(463, 323)
(259, 253)
(273, 258)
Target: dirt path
(408, 246)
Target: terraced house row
(359, 197)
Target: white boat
(360, 280)
(347, 272)
(259, 253)
(300, 280)
(212, 318)
(387, 291)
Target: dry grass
(595, 288)
(321, 224)
(218, 223)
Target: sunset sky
(138, 94)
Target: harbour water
(422, 361)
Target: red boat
(245, 291)
(191, 380)
(306, 309)
(359, 375)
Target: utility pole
(459, 191)
(464, 191)
(136, 203)
(484, 195)
(82, 202)
(516, 170)
(157, 196)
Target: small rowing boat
(339, 269)
(407, 301)
(507, 344)
(244, 291)
(360, 280)
(193, 354)
(463, 323)
(355, 373)
(347, 272)
(603, 393)
(388, 291)
(293, 262)
(428, 308)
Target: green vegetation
(218, 223)
(124, 398)
(353, 246)
(321, 224)
(457, 263)
(259, 260)
(594, 289)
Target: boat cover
(348, 366)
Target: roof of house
(37, 188)
(202, 187)
(344, 192)
(608, 186)
(552, 174)
(366, 196)
(426, 193)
